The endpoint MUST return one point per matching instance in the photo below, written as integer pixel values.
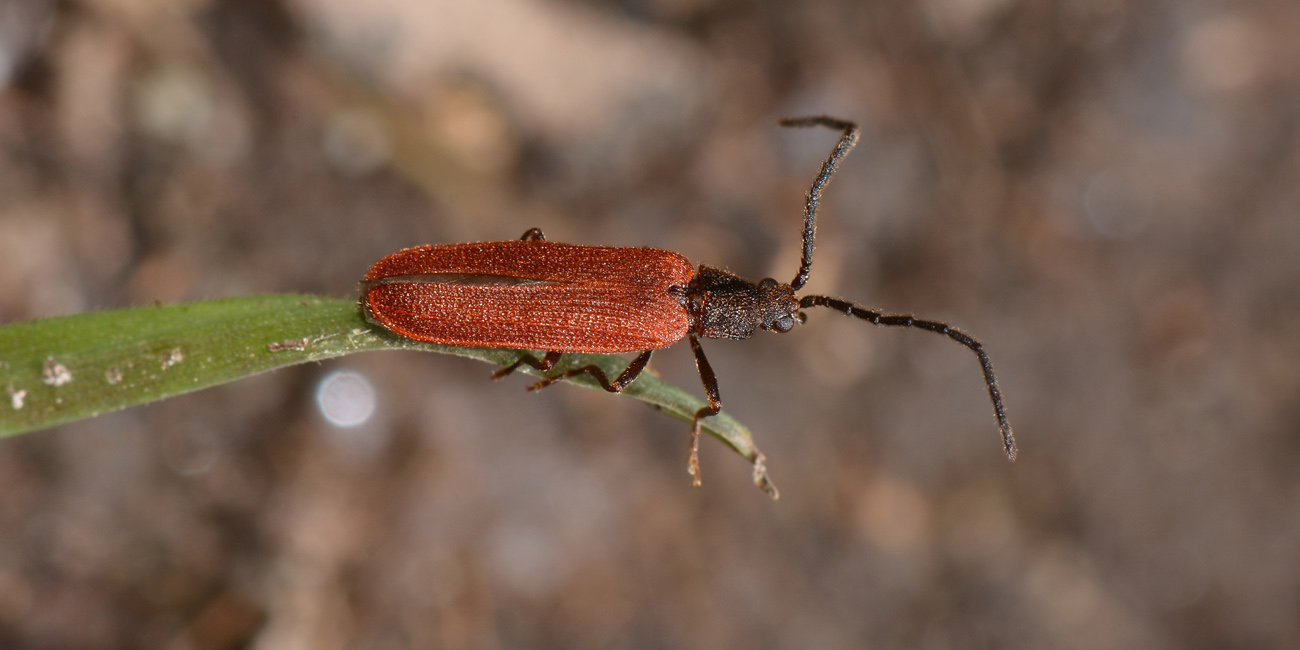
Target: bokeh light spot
(346, 399)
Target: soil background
(1107, 193)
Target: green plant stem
(57, 370)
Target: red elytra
(532, 295)
(564, 298)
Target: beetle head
(777, 309)
(723, 305)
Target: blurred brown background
(1104, 191)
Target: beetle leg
(533, 234)
(545, 364)
(628, 375)
(710, 382)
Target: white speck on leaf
(172, 358)
(291, 344)
(16, 398)
(54, 373)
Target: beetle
(534, 294)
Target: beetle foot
(693, 464)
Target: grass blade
(61, 369)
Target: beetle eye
(783, 324)
(766, 283)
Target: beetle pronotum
(532, 294)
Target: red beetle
(538, 295)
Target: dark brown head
(723, 305)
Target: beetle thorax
(725, 306)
